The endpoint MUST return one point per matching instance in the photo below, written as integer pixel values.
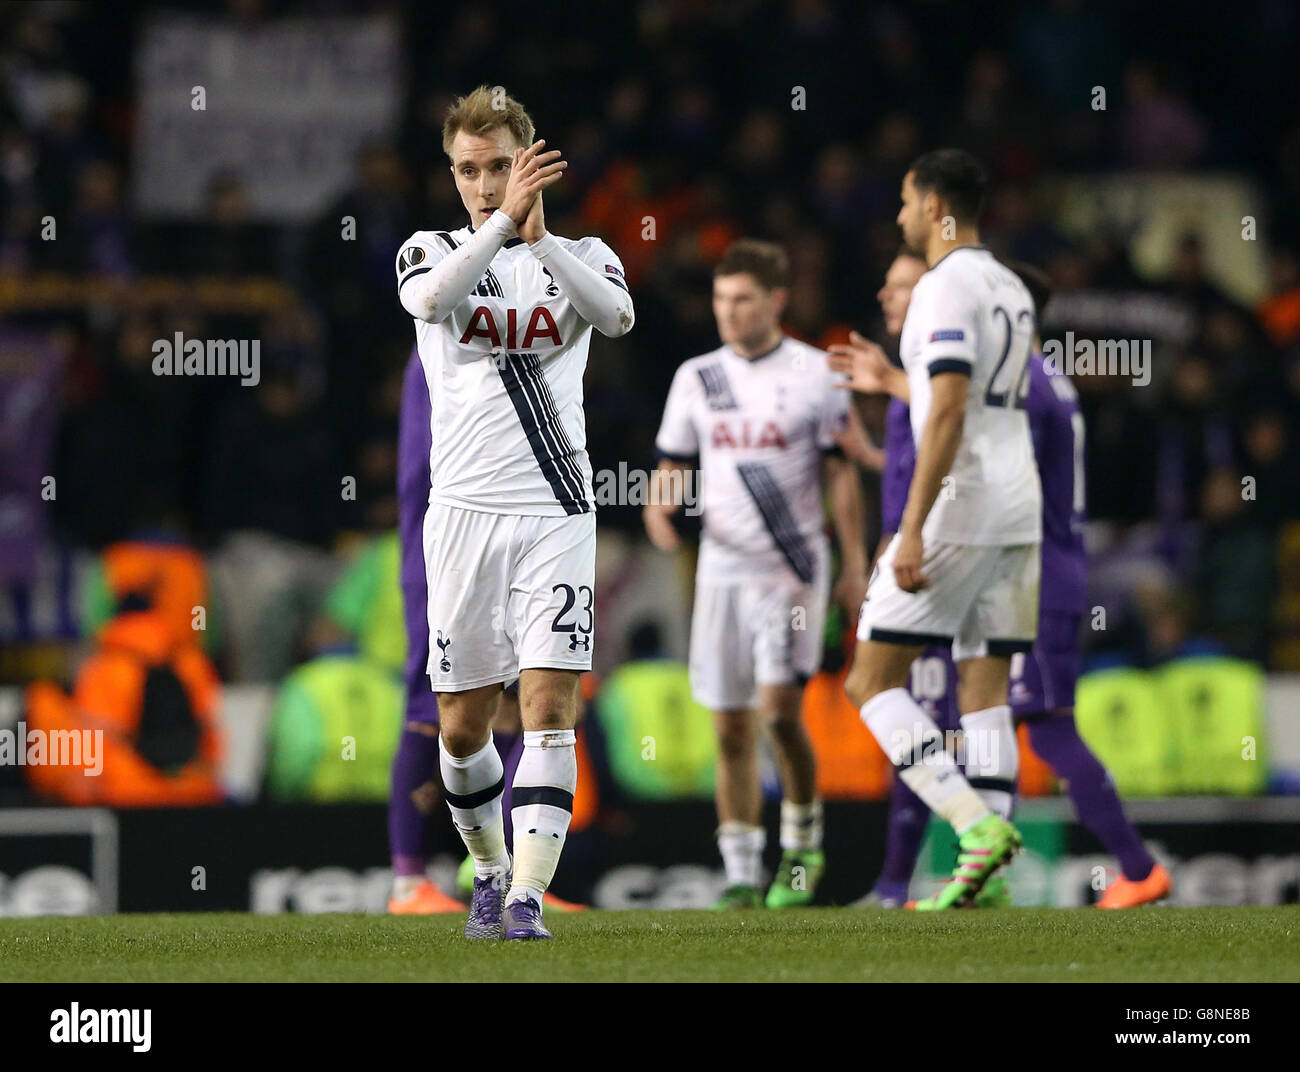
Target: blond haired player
(503, 313)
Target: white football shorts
(767, 632)
(507, 593)
(981, 600)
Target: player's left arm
(678, 447)
(844, 487)
(599, 294)
(856, 440)
(849, 515)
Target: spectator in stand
(1235, 569)
(1195, 437)
(231, 242)
(97, 239)
(272, 462)
(1158, 129)
(1280, 311)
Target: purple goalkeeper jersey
(900, 460)
(414, 439)
(1056, 425)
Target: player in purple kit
(415, 790)
(1043, 680)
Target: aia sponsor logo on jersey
(745, 434)
(541, 325)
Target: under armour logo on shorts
(575, 640)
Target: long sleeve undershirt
(603, 304)
(434, 295)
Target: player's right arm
(870, 375)
(948, 319)
(868, 370)
(678, 447)
(432, 280)
(666, 484)
(934, 457)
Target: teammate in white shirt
(963, 568)
(759, 417)
(503, 317)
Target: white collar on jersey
(957, 249)
(759, 357)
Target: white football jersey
(757, 430)
(972, 314)
(505, 378)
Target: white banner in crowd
(284, 105)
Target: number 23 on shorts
(577, 613)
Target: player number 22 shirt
(971, 314)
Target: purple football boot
(523, 919)
(485, 909)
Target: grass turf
(1033, 945)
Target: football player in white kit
(503, 317)
(759, 417)
(964, 566)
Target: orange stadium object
(1036, 777)
(850, 764)
(109, 697)
(174, 578)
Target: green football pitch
(846, 945)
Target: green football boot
(995, 894)
(984, 848)
(739, 897)
(796, 878)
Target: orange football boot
(425, 900)
(558, 904)
(1124, 893)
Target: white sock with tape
(541, 808)
(992, 757)
(472, 786)
(914, 744)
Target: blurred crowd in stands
(687, 118)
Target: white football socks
(742, 847)
(914, 746)
(801, 825)
(542, 808)
(473, 786)
(992, 757)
